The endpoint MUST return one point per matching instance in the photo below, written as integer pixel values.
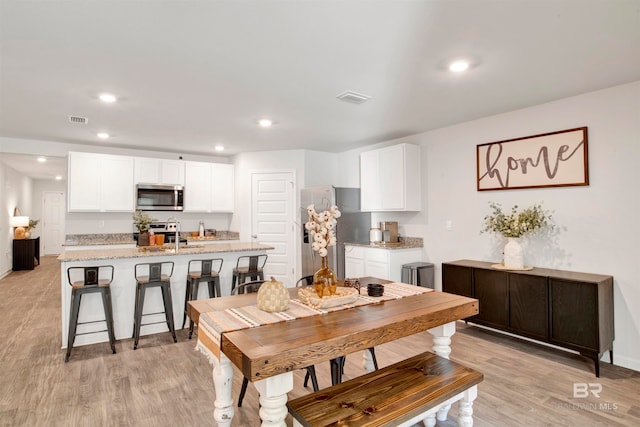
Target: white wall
(597, 225)
(15, 190)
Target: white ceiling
(192, 74)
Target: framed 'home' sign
(556, 159)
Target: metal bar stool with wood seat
(93, 280)
(148, 275)
(248, 267)
(207, 271)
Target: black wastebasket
(419, 274)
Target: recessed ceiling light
(219, 147)
(265, 123)
(103, 135)
(459, 66)
(41, 159)
(107, 97)
(58, 177)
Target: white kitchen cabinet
(100, 183)
(223, 188)
(382, 263)
(390, 179)
(209, 187)
(158, 171)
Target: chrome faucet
(176, 226)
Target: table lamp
(19, 222)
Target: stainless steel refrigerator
(353, 226)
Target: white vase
(513, 255)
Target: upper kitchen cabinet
(100, 183)
(158, 171)
(209, 187)
(390, 179)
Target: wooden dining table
(267, 355)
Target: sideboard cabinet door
(574, 307)
(457, 280)
(528, 305)
(491, 290)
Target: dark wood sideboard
(564, 308)
(26, 253)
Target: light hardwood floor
(167, 384)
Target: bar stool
(248, 267)
(209, 273)
(91, 282)
(150, 275)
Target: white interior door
(272, 222)
(53, 226)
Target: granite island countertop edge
(106, 254)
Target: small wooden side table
(26, 254)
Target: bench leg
(443, 413)
(222, 381)
(273, 399)
(430, 421)
(465, 414)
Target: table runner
(213, 324)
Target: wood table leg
(442, 339)
(222, 381)
(273, 399)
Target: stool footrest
(92, 332)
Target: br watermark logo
(589, 391)
(582, 390)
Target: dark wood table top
(274, 349)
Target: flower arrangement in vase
(513, 226)
(142, 222)
(321, 227)
(32, 225)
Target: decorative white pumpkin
(273, 296)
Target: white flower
(321, 226)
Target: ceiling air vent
(353, 97)
(78, 120)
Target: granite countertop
(405, 243)
(99, 239)
(166, 250)
(127, 238)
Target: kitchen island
(123, 285)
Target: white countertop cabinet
(378, 262)
(100, 183)
(390, 179)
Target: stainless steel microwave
(153, 197)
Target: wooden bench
(401, 394)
